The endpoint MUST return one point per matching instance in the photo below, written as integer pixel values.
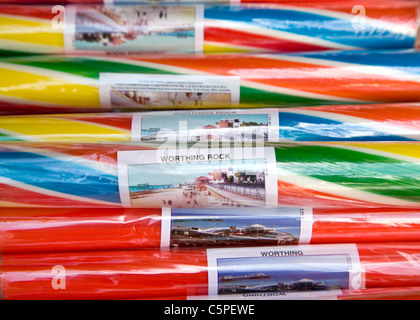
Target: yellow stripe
(223, 49)
(30, 32)
(39, 88)
(52, 129)
(405, 149)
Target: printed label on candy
(232, 227)
(122, 29)
(119, 90)
(275, 295)
(206, 125)
(287, 270)
(198, 177)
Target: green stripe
(5, 137)
(353, 169)
(258, 97)
(89, 68)
(11, 53)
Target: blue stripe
(299, 127)
(404, 60)
(57, 175)
(339, 31)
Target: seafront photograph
(145, 98)
(208, 127)
(234, 183)
(142, 28)
(237, 227)
(292, 273)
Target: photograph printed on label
(288, 273)
(231, 183)
(235, 227)
(136, 99)
(209, 127)
(135, 28)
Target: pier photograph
(232, 183)
(238, 227)
(283, 273)
(208, 127)
(135, 28)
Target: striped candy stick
(355, 174)
(59, 83)
(281, 26)
(148, 274)
(381, 122)
(35, 230)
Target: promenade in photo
(236, 185)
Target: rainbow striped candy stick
(282, 27)
(381, 122)
(48, 84)
(353, 174)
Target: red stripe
(240, 38)
(41, 12)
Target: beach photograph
(135, 28)
(148, 99)
(208, 127)
(237, 227)
(289, 273)
(232, 183)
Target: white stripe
(32, 188)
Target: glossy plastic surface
(356, 174)
(282, 26)
(58, 84)
(381, 122)
(136, 274)
(55, 230)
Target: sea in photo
(283, 273)
(234, 227)
(231, 183)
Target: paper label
(289, 270)
(131, 29)
(120, 90)
(198, 177)
(197, 227)
(206, 125)
(280, 295)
